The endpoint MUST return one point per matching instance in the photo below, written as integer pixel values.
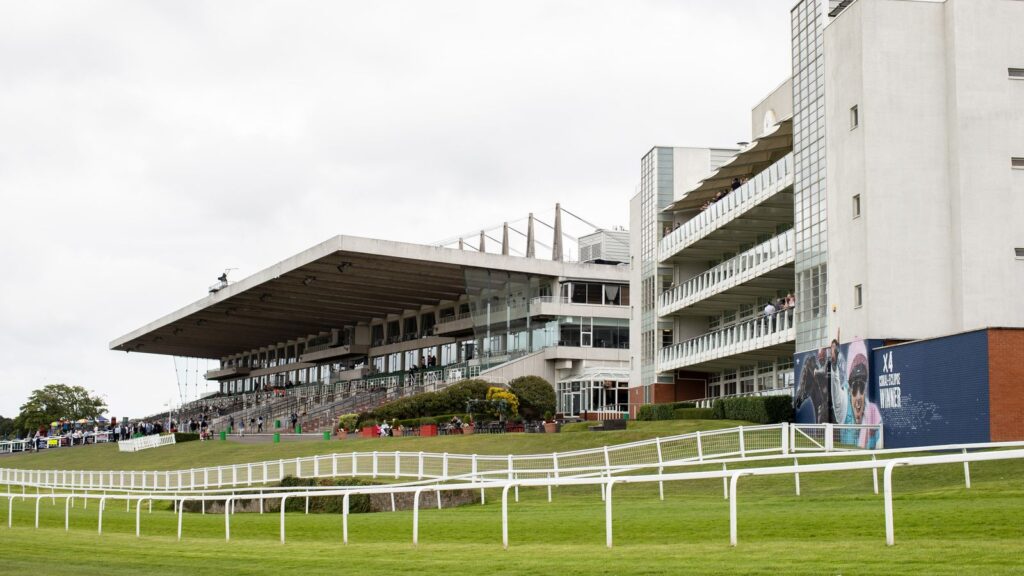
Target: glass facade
(656, 189)
(810, 222)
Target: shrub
(536, 396)
(693, 414)
(358, 503)
(180, 437)
(348, 421)
(503, 402)
(759, 409)
(656, 412)
(451, 400)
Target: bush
(451, 400)
(758, 409)
(536, 396)
(718, 410)
(180, 437)
(650, 412)
(694, 414)
(348, 421)
(504, 402)
(357, 503)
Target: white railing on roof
(145, 442)
(744, 267)
(771, 180)
(753, 334)
(743, 442)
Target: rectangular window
(1019, 252)
(858, 296)
(856, 205)
(1017, 73)
(854, 117)
(1017, 163)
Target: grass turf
(835, 527)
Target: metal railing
(744, 441)
(145, 442)
(744, 336)
(773, 179)
(511, 484)
(764, 257)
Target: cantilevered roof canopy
(748, 162)
(343, 281)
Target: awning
(600, 373)
(748, 162)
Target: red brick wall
(636, 399)
(1006, 384)
(690, 389)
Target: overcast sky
(146, 146)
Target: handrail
(753, 192)
(768, 255)
(710, 344)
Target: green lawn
(835, 527)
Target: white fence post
(967, 472)
(784, 440)
(661, 469)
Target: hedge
(694, 414)
(358, 503)
(180, 437)
(649, 412)
(759, 409)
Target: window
(1017, 73)
(854, 117)
(856, 205)
(858, 296)
(1019, 252)
(1017, 163)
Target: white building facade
(881, 197)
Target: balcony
(759, 260)
(454, 324)
(760, 332)
(771, 181)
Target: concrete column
(504, 239)
(556, 250)
(462, 245)
(483, 245)
(530, 250)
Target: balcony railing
(754, 334)
(773, 179)
(744, 267)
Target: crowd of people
(779, 306)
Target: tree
(55, 401)
(6, 427)
(536, 396)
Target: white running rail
(144, 442)
(743, 442)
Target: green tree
(536, 396)
(6, 427)
(55, 401)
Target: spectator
(736, 183)
(259, 424)
(769, 314)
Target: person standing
(259, 425)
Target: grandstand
(354, 322)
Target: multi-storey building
(881, 198)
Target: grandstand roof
(342, 281)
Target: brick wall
(1006, 383)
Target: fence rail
(730, 479)
(145, 442)
(743, 441)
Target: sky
(147, 146)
